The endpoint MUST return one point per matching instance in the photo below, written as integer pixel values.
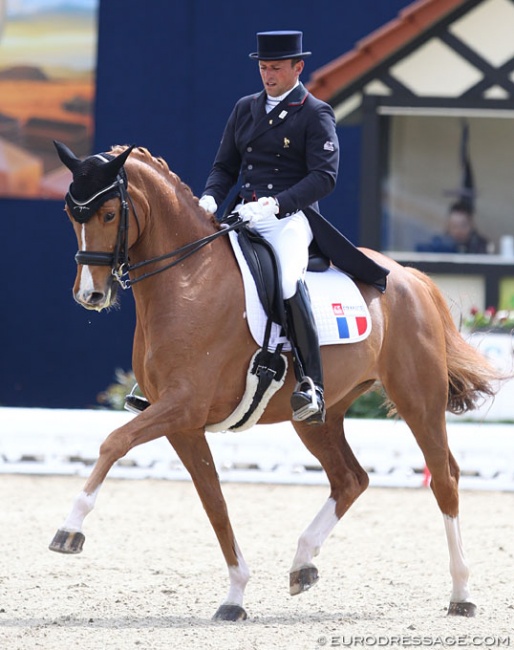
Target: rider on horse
(281, 149)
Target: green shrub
(372, 404)
(113, 396)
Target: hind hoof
(230, 613)
(462, 609)
(303, 579)
(66, 542)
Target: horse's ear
(114, 166)
(68, 158)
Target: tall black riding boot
(307, 401)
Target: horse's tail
(471, 377)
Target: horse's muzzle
(97, 297)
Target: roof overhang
(458, 53)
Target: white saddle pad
(339, 309)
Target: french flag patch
(350, 322)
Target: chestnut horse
(192, 349)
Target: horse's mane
(157, 163)
(161, 166)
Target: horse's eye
(109, 216)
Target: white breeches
(290, 238)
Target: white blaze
(86, 279)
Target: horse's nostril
(96, 300)
(96, 297)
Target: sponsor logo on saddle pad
(351, 321)
(339, 309)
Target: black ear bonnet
(95, 180)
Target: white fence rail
(42, 441)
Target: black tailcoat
(291, 153)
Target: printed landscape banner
(47, 89)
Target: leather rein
(119, 259)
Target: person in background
(462, 230)
(461, 235)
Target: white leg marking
(239, 576)
(458, 566)
(82, 506)
(315, 534)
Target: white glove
(208, 203)
(265, 207)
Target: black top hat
(274, 46)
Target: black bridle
(119, 259)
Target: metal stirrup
(309, 409)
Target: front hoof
(66, 542)
(462, 609)
(230, 613)
(303, 579)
